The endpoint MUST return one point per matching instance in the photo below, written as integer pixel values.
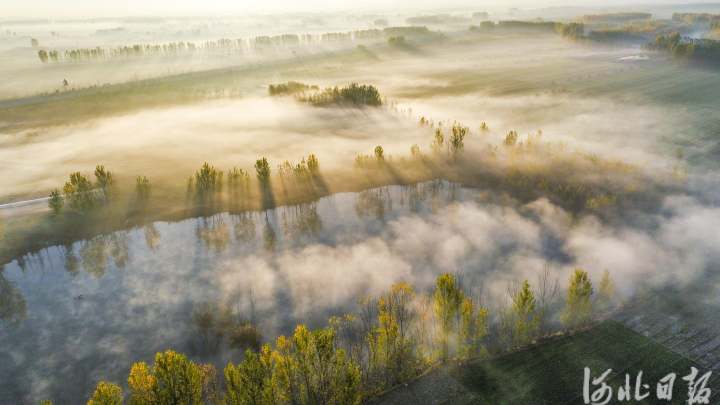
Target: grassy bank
(551, 372)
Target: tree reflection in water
(12, 303)
(214, 232)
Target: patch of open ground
(552, 372)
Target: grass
(552, 372)
(102, 101)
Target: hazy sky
(87, 8)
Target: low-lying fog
(74, 314)
(169, 144)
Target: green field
(552, 372)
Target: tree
(251, 381)
(103, 180)
(142, 384)
(521, 323)
(438, 141)
(606, 291)
(79, 193)
(390, 343)
(313, 165)
(106, 394)
(447, 299)
(262, 169)
(525, 317)
(415, 151)
(56, 202)
(578, 307)
(511, 138)
(473, 328)
(142, 189)
(207, 183)
(310, 369)
(173, 379)
(379, 154)
(457, 139)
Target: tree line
(222, 45)
(703, 50)
(389, 340)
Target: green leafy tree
(447, 299)
(457, 139)
(313, 165)
(606, 291)
(310, 369)
(79, 193)
(578, 306)
(106, 394)
(142, 189)
(207, 183)
(104, 180)
(142, 384)
(262, 169)
(379, 154)
(251, 381)
(526, 320)
(473, 328)
(56, 201)
(391, 346)
(511, 138)
(438, 143)
(173, 379)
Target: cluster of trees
(437, 19)
(48, 56)
(704, 50)
(396, 41)
(571, 30)
(408, 31)
(354, 95)
(574, 30)
(673, 43)
(516, 25)
(376, 160)
(610, 18)
(624, 34)
(696, 18)
(389, 340)
(524, 181)
(206, 187)
(290, 88)
(82, 195)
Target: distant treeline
(614, 18)
(437, 19)
(516, 25)
(570, 30)
(389, 340)
(224, 45)
(703, 50)
(696, 18)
